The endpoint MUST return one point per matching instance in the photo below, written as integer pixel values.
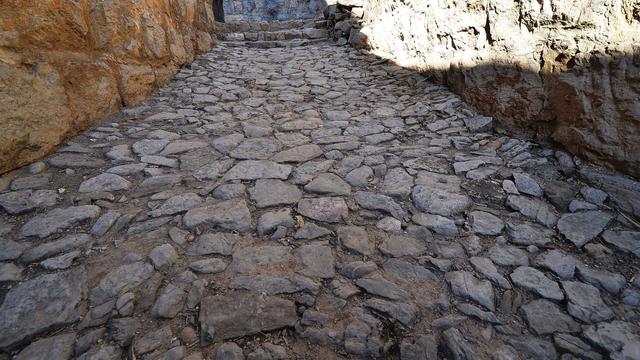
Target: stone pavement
(312, 203)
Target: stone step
(276, 43)
(280, 35)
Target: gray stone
(119, 281)
(485, 223)
(271, 221)
(104, 182)
(529, 234)
(317, 261)
(403, 269)
(160, 161)
(405, 313)
(153, 340)
(377, 285)
(225, 317)
(533, 348)
(620, 339)
(534, 209)
(182, 146)
(20, 202)
(177, 204)
(10, 272)
(626, 241)
(104, 223)
(271, 192)
(527, 185)
(149, 146)
(298, 154)
(213, 170)
(58, 220)
(226, 143)
(355, 238)
(40, 305)
(507, 255)
(575, 346)
(328, 184)
(456, 345)
(60, 262)
(169, 303)
(217, 243)
(326, 209)
(373, 201)
(398, 245)
(255, 149)
(593, 195)
(208, 266)
(54, 347)
(582, 227)
(561, 264)
(545, 317)
(46, 250)
(163, 257)
(70, 160)
(250, 259)
(128, 169)
(465, 285)
(359, 177)
(487, 269)
(531, 279)
(584, 302)
(439, 202)
(479, 123)
(229, 351)
(478, 313)
(257, 169)
(274, 284)
(439, 224)
(310, 231)
(397, 182)
(230, 215)
(605, 280)
(304, 173)
(357, 269)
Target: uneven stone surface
(349, 234)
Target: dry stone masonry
(313, 202)
(565, 71)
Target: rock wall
(271, 10)
(564, 70)
(65, 64)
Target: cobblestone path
(311, 203)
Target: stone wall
(271, 10)
(66, 64)
(564, 70)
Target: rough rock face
(64, 65)
(269, 10)
(566, 71)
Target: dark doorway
(218, 10)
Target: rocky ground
(313, 203)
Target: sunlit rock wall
(271, 10)
(564, 70)
(65, 64)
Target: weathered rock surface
(74, 89)
(42, 304)
(224, 317)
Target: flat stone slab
(257, 169)
(230, 215)
(57, 220)
(298, 154)
(20, 202)
(272, 192)
(328, 209)
(226, 317)
(42, 304)
(582, 227)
